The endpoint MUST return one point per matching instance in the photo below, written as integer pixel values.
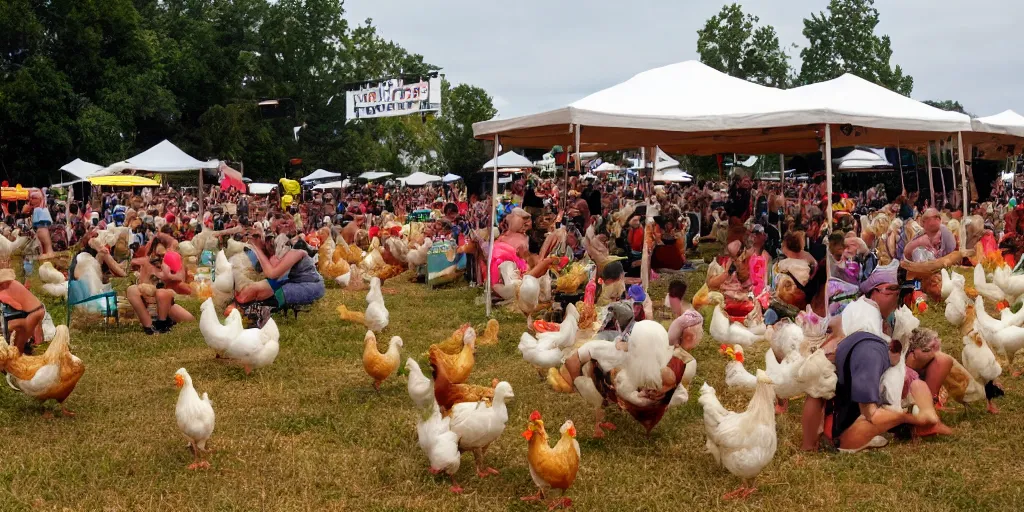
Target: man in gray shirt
(936, 238)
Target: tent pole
(952, 172)
(490, 227)
(828, 172)
(931, 179)
(899, 162)
(942, 172)
(578, 166)
(645, 258)
(201, 205)
(963, 166)
(782, 170)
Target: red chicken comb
(534, 416)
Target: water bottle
(27, 265)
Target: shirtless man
(158, 267)
(16, 296)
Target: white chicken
(1011, 285)
(255, 348)
(797, 374)
(218, 336)
(224, 281)
(986, 289)
(195, 417)
(891, 384)
(377, 316)
(744, 443)
(439, 443)
(547, 349)
(951, 281)
(478, 425)
(979, 360)
(956, 306)
(731, 333)
(418, 256)
(528, 297)
(1005, 337)
(54, 282)
(420, 387)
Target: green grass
(309, 432)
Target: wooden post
(645, 258)
(490, 230)
(828, 171)
(963, 167)
(201, 202)
(931, 179)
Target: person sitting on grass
(29, 312)
(291, 277)
(928, 362)
(161, 275)
(675, 300)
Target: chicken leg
(561, 502)
(197, 462)
(600, 424)
(534, 497)
(742, 493)
(482, 470)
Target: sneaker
(162, 326)
(149, 331)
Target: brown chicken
(331, 261)
(377, 365)
(52, 375)
(456, 366)
(387, 272)
(448, 394)
(552, 467)
(453, 344)
(490, 336)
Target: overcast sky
(533, 55)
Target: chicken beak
(179, 381)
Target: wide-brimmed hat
(6, 275)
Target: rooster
(552, 467)
(745, 442)
(52, 375)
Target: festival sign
(393, 97)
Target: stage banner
(393, 97)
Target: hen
(731, 333)
(744, 443)
(1005, 335)
(985, 289)
(893, 379)
(478, 425)
(548, 349)
(956, 306)
(255, 348)
(440, 444)
(797, 373)
(490, 335)
(419, 386)
(54, 282)
(52, 375)
(448, 394)
(376, 317)
(552, 467)
(454, 343)
(224, 281)
(1012, 285)
(380, 366)
(456, 366)
(195, 417)
(218, 336)
(981, 362)
(950, 282)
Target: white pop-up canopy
(606, 167)
(79, 170)
(261, 189)
(448, 178)
(418, 179)
(862, 159)
(673, 175)
(374, 175)
(333, 185)
(320, 174)
(1007, 122)
(164, 157)
(509, 160)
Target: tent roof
(690, 108)
(509, 160)
(673, 174)
(261, 188)
(606, 167)
(320, 174)
(1007, 122)
(332, 185)
(448, 178)
(861, 158)
(417, 179)
(163, 157)
(374, 175)
(80, 169)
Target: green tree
(948, 105)
(844, 41)
(461, 106)
(733, 43)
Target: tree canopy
(733, 43)
(103, 79)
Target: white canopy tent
(449, 178)
(672, 175)
(1007, 122)
(508, 160)
(862, 159)
(606, 167)
(320, 174)
(261, 189)
(374, 175)
(333, 185)
(418, 179)
(164, 157)
(80, 170)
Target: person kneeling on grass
(291, 277)
(29, 312)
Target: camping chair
(7, 314)
(79, 294)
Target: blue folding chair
(79, 294)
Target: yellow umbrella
(124, 181)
